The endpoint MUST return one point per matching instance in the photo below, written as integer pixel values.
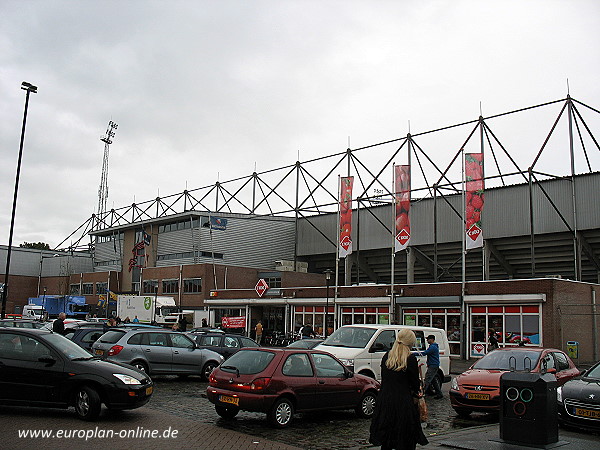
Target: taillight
(212, 380)
(115, 350)
(259, 384)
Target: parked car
(84, 337)
(206, 330)
(44, 369)
(305, 343)
(579, 400)
(156, 351)
(478, 388)
(282, 381)
(225, 344)
(21, 323)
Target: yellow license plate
(99, 352)
(477, 396)
(587, 413)
(149, 390)
(227, 399)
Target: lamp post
(44, 303)
(28, 88)
(327, 273)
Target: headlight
(347, 362)
(126, 378)
(454, 384)
(559, 394)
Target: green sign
(147, 302)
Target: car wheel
(366, 407)
(87, 403)
(226, 412)
(207, 370)
(141, 366)
(281, 413)
(463, 413)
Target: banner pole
(463, 330)
(393, 262)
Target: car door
(157, 352)
(211, 342)
(186, 358)
(334, 388)
(299, 377)
(383, 343)
(23, 377)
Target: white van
(361, 347)
(33, 312)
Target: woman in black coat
(396, 423)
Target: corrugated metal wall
(506, 213)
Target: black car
(579, 400)
(84, 337)
(225, 344)
(44, 369)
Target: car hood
(340, 352)
(106, 368)
(481, 377)
(584, 389)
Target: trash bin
(528, 409)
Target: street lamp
(327, 273)
(44, 303)
(28, 88)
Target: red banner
(474, 199)
(402, 202)
(345, 207)
(233, 322)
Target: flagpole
(212, 250)
(463, 349)
(395, 200)
(337, 251)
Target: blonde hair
(398, 356)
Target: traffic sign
(261, 287)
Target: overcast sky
(204, 90)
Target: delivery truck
(74, 306)
(147, 308)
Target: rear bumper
(246, 401)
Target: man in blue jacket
(433, 366)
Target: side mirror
(377, 347)
(349, 374)
(47, 359)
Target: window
(88, 288)
(248, 342)
(387, 338)
(136, 339)
(181, 255)
(328, 367)
(561, 361)
(154, 339)
(192, 285)
(230, 342)
(91, 337)
(210, 341)
(101, 288)
(547, 362)
(181, 341)
(170, 286)
(297, 365)
(210, 255)
(75, 289)
(150, 286)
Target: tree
(35, 245)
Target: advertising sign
(234, 322)
(474, 200)
(345, 208)
(402, 202)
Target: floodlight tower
(103, 190)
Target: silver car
(157, 352)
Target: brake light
(212, 380)
(115, 350)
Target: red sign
(233, 322)
(474, 232)
(345, 216)
(261, 287)
(402, 201)
(346, 242)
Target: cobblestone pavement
(323, 430)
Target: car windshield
(594, 372)
(353, 337)
(67, 347)
(248, 362)
(508, 360)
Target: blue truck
(72, 305)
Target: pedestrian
(183, 324)
(258, 329)
(110, 323)
(59, 324)
(396, 423)
(493, 340)
(204, 323)
(135, 320)
(127, 320)
(433, 367)
(175, 327)
(307, 331)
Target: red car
(282, 381)
(478, 389)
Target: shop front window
(531, 329)
(478, 333)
